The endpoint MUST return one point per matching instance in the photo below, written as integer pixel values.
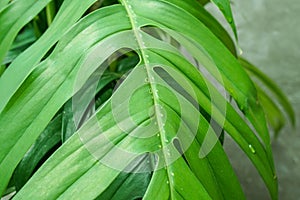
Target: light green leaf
(11, 24)
(69, 13)
(225, 8)
(22, 41)
(3, 4)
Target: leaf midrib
(153, 87)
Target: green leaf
(3, 4)
(274, 115)
(57, 84)
(80, 108)
(11, 24)
(46, 142)
(2, 69)
(272, 86)
(22, 41)
(68, 14)
(203, 2)
(129, 185)
(224, 6)
(156, 112)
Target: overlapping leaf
(225, 8)
(69, 13)
(275, 115)
(164, 120)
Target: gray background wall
(269, 35)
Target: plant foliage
(126, 100)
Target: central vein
(157, 108)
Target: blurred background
(269, 37)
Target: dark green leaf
(49, 138)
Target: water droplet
(146, 80)
(251, 148)
(274, 177)
(220, 6)
(159, 146)
(167, 182)
(295, 159)
(158, 135)
(257, 102)
(172, 174)
(240, 50)
(229, 19)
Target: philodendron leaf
(22, 41)
(75, 113)
(49, 139)
(11, 24)
(203, 2)
(225, 8)
(272, 87)
(13, 21)
(2, 69)
(274, 115)
(156, 112)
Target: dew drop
(146, 80)
(167, 182)
(172, 174)
(229, 19)
(159, 146)
(220, 6)
(240, 51)
(158, 135)
(252, 149)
